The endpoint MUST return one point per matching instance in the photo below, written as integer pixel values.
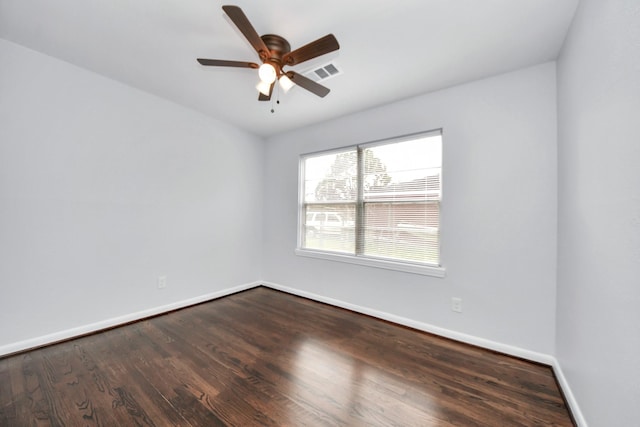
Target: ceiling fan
(275, 53)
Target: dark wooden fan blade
(316, 48)
(242, 22)
(224, 63)
(308, 84)
(263, 97)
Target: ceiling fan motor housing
(278, 47)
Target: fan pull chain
(273, 109)
(277, 88)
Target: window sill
(377, 263)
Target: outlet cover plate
(456, 304)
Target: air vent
(323, 72)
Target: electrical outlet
(162, 282)
(456, 304)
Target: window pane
(402, 231)
(331, 177)
(401, 194)
(330, 227)
(408, 170)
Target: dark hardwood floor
(262, 357)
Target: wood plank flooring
(266, 358)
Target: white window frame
(397, 265)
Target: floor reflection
(354, 391)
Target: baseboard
(578, 417)
(436, 330)
(41, 341)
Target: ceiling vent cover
(323, 72)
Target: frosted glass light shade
(264, 88)
(267, 73)
(285, 83)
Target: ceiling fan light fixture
(285, 83)
(264, 88)
(267, 73)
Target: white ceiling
(390, 50)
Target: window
(376, 204)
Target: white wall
(103, 188)
(598, 331)
(498, 212)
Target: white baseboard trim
(436, 330)
(568, 394)
(117, 321)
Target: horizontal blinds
(402, 231)
(403, 171)
(401, 200)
